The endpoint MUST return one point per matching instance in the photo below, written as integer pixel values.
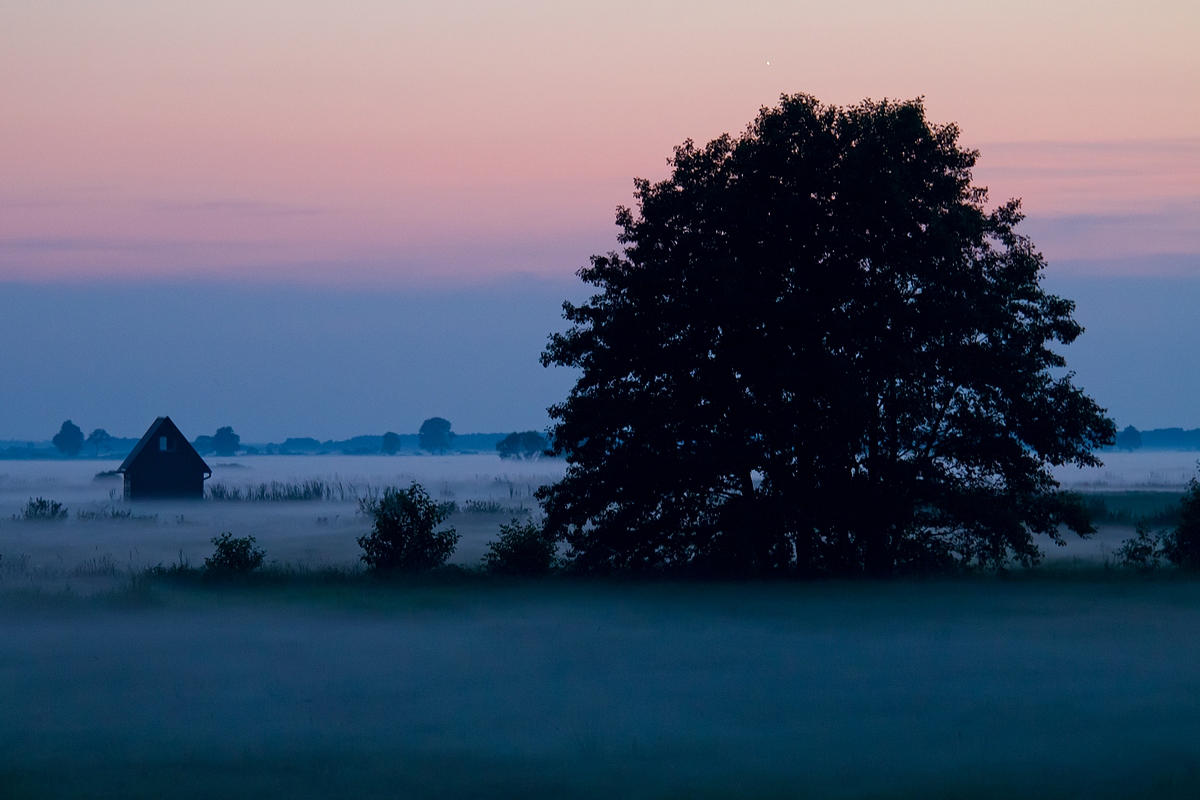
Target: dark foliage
(523, 549)
(1143, 551)
(234, 556)
(1131, 508)
(818, 352)
(403, 538)
(391, 443)
(43, 510)
(1128, 439)
(225, 442)
(527, 445)
(69, 439)
(435, 435)
(1182, 545)
(98, 439)
(204, 445)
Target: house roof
(161, 426)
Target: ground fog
(1060, 683)
(96, 553)
(92, 552)
(1062, 688)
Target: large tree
(819, 351)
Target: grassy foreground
(1061, 684)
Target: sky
(433, 155)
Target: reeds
(283, 491)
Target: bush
(522, 549)
(234, 556)
(43, 510)
(403, 538)
(1182, 545)
(1141, 552)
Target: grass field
(1074, 680)
(1076, 684)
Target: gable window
(165, 444)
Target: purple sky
(419, 149)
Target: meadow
(1074, 680)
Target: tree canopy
(225, 442)
(526, 445)
(435, 435)
(819, 351)
(99, 438)
(69, 439)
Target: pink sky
(354, 142)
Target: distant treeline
(1157, 439)
(16, 450)
(19, 450)
(373, 445)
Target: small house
(164, 464)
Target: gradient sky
(354, 142)
(435, 146)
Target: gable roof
(163, 426)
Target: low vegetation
(234, 556)
(404, 536)
(523, 549)
(490, 507)
(1180, 546)
(39, 509)
(281, 491)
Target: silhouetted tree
(69, 439)
(435, 435)
(1129, 439)
(529, 444)
(391, 443)
(99, 438)
(204, 445)
(225, 442)
(818, 352)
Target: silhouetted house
(164, 464)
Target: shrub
(43, 510)
(403, 538)
(234, 556)
(522, 549)
(1141, 552)
(1182, 545)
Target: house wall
(165, 473)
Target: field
(1075, 681)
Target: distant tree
(527, 445)
(225, 442)
(204, 445)
(435, 435)
(69, 439)
(1129, 439)
(99, 438)
(391, 443)
(818, 352)
(404, 536)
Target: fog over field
(312, 534)
(90, 554)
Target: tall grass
(1131, 508)
(280, 491)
